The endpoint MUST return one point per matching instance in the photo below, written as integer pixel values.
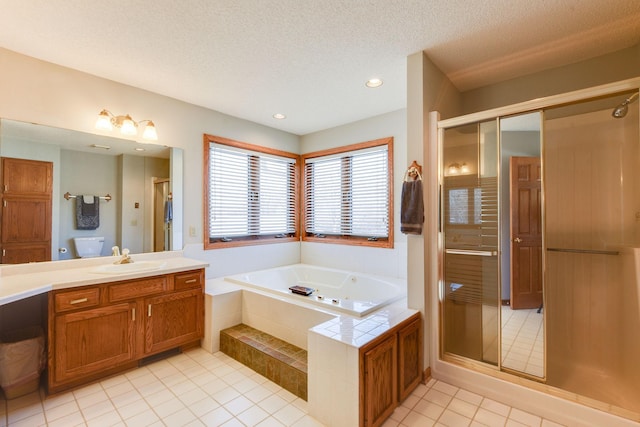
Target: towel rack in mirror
(68, 196)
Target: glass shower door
(592, 241)
(471, 298)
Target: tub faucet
(115, 251)
(126, 259)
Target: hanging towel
(87, 212)
(411, 207)
(168, 211)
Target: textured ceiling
(310, 59)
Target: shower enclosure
(540, 242)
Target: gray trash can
(21, 361)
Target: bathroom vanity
(101, 320)
(97, 330)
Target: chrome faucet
(115, 251)
(126, 259)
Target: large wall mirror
(144, 182)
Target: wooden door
(94, 340)
(25, 225)
(380, 381)
(526, 232)
(173, 320)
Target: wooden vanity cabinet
(92, 340)
(172, 320)
(390, 369)
(101, 329)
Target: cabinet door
(92, 340)
(173, 320)
(25, 252)
(27, 177)
(410, 358)
(380, 381)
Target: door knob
(517, 240)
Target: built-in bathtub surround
(332, 338)
(356, 294)
(281, 362)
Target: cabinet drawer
(188, 280)
(82, 298)
(137, 288)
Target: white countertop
(25, 280)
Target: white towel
(87, 199)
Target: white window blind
(250, 193)
(348, 194)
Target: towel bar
(68, 196)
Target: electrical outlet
(192, 231)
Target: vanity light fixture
(372, 83)
(453, 169)
(107, 120)
(458, 169)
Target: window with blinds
(348, 194)
(251, 193)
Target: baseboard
(427, 375)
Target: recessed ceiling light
(373, 83)
(139, 149)
(279, 116)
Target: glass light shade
(128, 126)
(150, 132)
(464, 169)
(104, 121)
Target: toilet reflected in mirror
(88, 247)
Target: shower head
(621, 110)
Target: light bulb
(150, 132)
(128, 126)
(104, 121)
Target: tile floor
(523, 340)
(197, 388)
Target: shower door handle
(470, 252)
(517, 240)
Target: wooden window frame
(248, 240)
(344, 239)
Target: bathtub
(356, 294)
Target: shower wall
(591, 165)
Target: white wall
(86, 173)
(386, 262)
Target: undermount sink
(133, 267)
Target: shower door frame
(445, 362)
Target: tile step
(283, 363)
